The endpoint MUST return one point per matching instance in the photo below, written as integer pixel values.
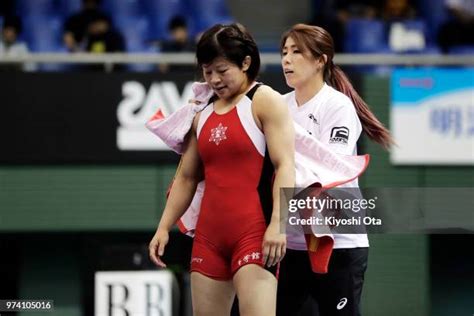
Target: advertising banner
(90, 117)
(432, 116)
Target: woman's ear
(324, 58)
(246, 63)
(321, 61)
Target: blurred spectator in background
(102, 37)
(75, 27)
(362, 9)
(459, 29)
(405, 33)
(333, 15)
(397, 10)
(180, 42)
(11, 46)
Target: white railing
(266, 58)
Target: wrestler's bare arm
(188, 175)
(273, 116)
(184, 186)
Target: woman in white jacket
(327, 106)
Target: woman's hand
(157, 246)
(274, 244)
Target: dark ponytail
(319, 42)
(374, 129)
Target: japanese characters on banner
(432, 116)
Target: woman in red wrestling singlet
(245, 126)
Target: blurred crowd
(393, 26)
(98, 26)
(106, 26)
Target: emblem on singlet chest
(218, 134)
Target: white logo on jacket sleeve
(218, 134)
(339, 135)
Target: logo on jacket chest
(218, 134)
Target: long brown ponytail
(319, 42)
